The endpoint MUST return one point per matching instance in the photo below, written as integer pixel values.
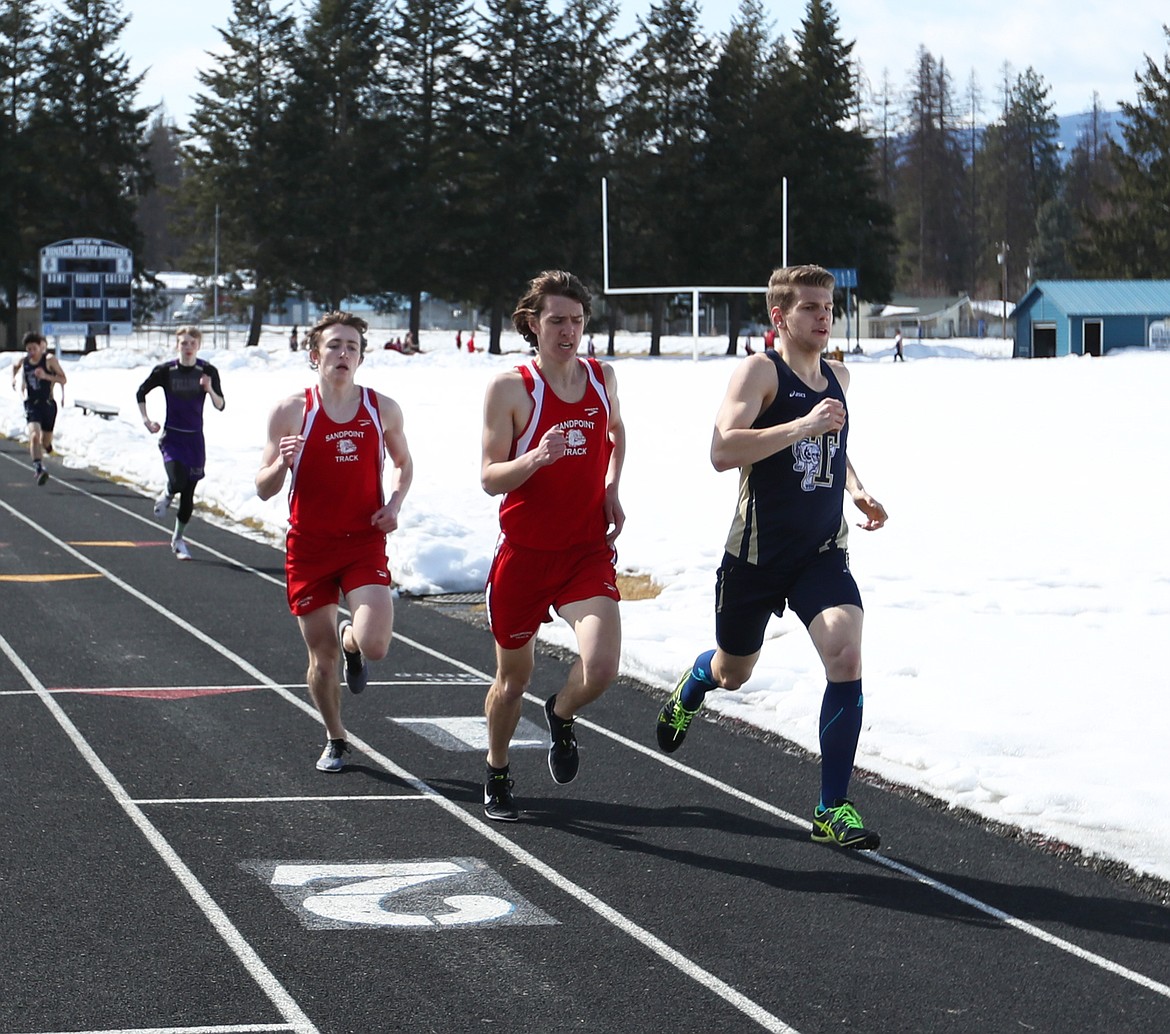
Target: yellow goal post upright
(693, 290)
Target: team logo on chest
(346, 443)
(813, 458)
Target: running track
(173, 863)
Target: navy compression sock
(840, 728)
(698, 682)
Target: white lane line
(260, 973)
(232, 1028)
(663, 950)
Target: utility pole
(1002, 259)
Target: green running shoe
(674, 719)
(841, 825)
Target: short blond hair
(784, 281)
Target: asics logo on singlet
(797, 395)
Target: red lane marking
(178, 693)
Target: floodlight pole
(1002, 256)
(784, 220)
(215, 288)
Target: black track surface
(173, 862)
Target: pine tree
(341, 147)
(163, 246)
(239, 188)
(930, 180)
(21, 174)
(1131, 238)
(1020, 172)
(836, 215)
(417, 253)
(588, 76)
(88, 121)
(507, 195)
(658, 139)
(740, 165)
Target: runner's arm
(283, 446)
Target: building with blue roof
(1091, 317)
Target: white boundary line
(1107, 965)
(260, 973)
(231, 1028)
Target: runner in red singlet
(553, 447)
(333, 437)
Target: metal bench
(102, 409)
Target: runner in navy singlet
(785, 425)
(39, 370)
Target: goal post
(692, 289)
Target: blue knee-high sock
(840, 728)
(698, 682)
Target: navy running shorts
(747, 595)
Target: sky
(1013, 601)
(1075, 46)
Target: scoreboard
(86, 287)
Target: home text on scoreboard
(86, 287)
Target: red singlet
(337, 479)
(563, 504)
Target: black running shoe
(841, 825)
(674, 719)
(356, 672)
(42, 475)
(498, 802)
(563, 759)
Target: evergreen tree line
(387, 148)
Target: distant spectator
(898, 356)
(471, 342)
(770, 338)
(293, 343)
(459, 339)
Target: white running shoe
(179, 548)
(161, 505)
